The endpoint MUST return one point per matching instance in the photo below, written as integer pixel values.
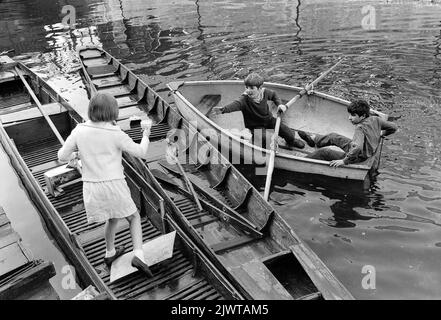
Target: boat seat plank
(32, 113)
(91, 53)
(202, 221)
(45, 166)
(321, 276)
(11, 258)
(95, 61)
(259, 281)
(106, 81)
(208, 102)
(117, 91)
(14, 100)
(100, 70)
(233, 243)
(9, 239)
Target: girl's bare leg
(136, 230)
(109, 234)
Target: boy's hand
(216, 110)
(282, 108)
(337, 163)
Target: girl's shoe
(141, 266)
(119, 251)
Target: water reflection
(393, 222)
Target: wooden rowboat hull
(317, 113)
(244, 237)
(32, 148)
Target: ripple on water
(394, 225)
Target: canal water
(392, 48)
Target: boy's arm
(233, 106)
(272, 95)
(388, 127)
(355, 147)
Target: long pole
(31, 92)
(277, 128)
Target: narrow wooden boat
(317, 113)
(32, 147)
(208, 197)
(22, 277)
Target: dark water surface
(394, 225)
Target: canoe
(244, 237)
(32, 148)
(317, 113)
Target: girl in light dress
(106, 194)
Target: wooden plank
(259, 282)
(116, 91)
(11, 258)
(3, 220)
(231, 244)
(28, 281)
(321, 276)
(9, 239)
(202, 221)
(32, 113)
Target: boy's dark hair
(253, 80)
(359, 107)
(103, 107)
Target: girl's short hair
(359, 107)
(103, 107)
(253, 80)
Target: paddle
(31, 92)
(172, 154)
(277, 127)
(40, 107)
(7, 51)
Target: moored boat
(32, 146)
(315, 113)
(244, 237)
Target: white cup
(146, 124)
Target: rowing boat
(315, 113)
(32, 147)
(244, 237)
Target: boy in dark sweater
(364, 143)
(255, 110)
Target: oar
(7, 51)
(31, 92)
(277, 127)
(186, 179)
(40, 107)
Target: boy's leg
(326, 153)
(333, 139)
(286, 133)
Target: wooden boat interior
(246, 238)
(32, 147)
